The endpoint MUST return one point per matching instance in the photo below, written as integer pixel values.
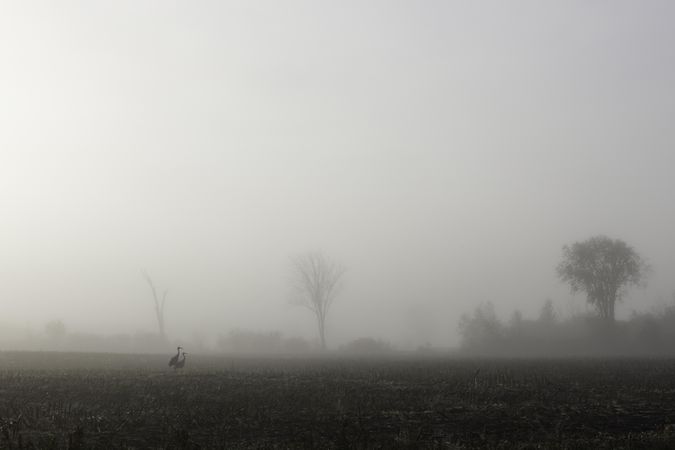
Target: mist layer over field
(442, 153)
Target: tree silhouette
(317, 281)
(547, 314)
(158, 303)
(602, 268)
(482, 329)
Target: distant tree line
(603, 269)
(646, 333)
(246, 341)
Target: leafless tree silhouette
(159, 304)
(317, 281)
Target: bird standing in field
(180, 364)
(174, 360)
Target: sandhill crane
(180, 364)
(174, 360)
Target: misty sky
(443, 151)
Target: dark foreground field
(51, 400)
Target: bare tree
(159, 304)
(317, 280)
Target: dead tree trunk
(159, 305)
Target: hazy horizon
(444, 152)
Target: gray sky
(443, 151)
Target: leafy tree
(482, 328)
(547, 315)
(317, 283)
(516, 323)
(602, 268)
(55, 330)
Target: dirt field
(51, 400)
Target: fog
(443, 152)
